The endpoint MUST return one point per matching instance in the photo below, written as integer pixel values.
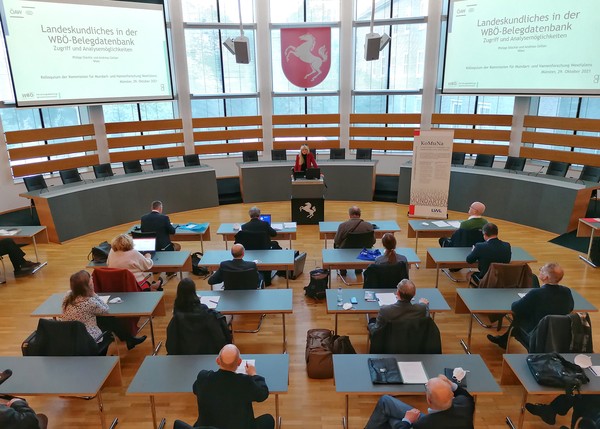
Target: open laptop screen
(313, 173)
(266, 218)
(144, 244)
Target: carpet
(570, 241)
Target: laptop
(299, 175)
(266, 218)
(313, 173)
(145, 245)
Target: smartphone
(353, 300)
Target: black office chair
(132, 166)
(278, 155)
(241, 280)
(35, 183)
(253, 240)
(191, 160)
(358, 240)
(337, 153)
(407, 336)
(197, 333)
(458, 158)
(590, 174)
(314, 152)
(484, 160)
(557, 168)
(385, 276)
(103, 170)
(70, 176)
(463, 237)
(364, 154)
(160, 163)
(64, 338)
(250, 156)
(515, 163)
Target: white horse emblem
(304, 53)
(308, 208)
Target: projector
(373, 44)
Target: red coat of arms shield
(306, 55)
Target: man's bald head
(237, 251)
(439, 393)
(354, 211)
(229, 358)
(551, 273)
(476, 209)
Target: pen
(593, 371)
(214, 302)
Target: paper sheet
(210, 301)
(439, 223)
(386, 298)
(454, 223)
(104, 298)
(596, 369)
(277, 226)
(412, 372)
(11, 231)
(242, 368)
(289, 224)
(522, 294)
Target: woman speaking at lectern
(305, 159)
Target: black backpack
(196, 269)
(319, 279)
(99, 253)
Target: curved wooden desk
(76, 209)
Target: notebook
(266, 218)
(145, 245)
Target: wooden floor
(309, 403)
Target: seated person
(82, 304)
(160, 224)
(305, 159)
(16, 414)
(123, 255)
(21, 266)
(225, 397)
(216, 332)
(491, 250)
(583, 405)
(450, 406)
(236, 264)
(475, 221)
(402, 309)
(389, 255)
(551, 298)
(257, 225)
(353, 225)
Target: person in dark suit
(551, 298)
(16, 414)
(236, 264)
(305, 159)
(21, 265)
(450, 407)
(402, 309)
(225, 397)
(491, 250)
(161, 225)
(257, 225)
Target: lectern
(307, 203)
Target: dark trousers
(266, 421)
(115, 325)
(14, 252)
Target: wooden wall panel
(229, 121)
(306, 119)
(54, 165)
(471, 119)
(307, 132)
(560, 155)
(54, 149)
(386, 118)
(132, 155)
(43, 134)
(477, 148)
(144, 140)
(313, 144)
(406, 145)
(143, 126)
(204, 149)
(222, 135)
(551, 122)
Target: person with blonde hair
(305, 159)
(123, 255)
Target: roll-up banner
(430, 181)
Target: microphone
(543, 166)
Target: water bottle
(340, 297)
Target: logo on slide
(308, 208)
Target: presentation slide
(523, 47)
(84, 52)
